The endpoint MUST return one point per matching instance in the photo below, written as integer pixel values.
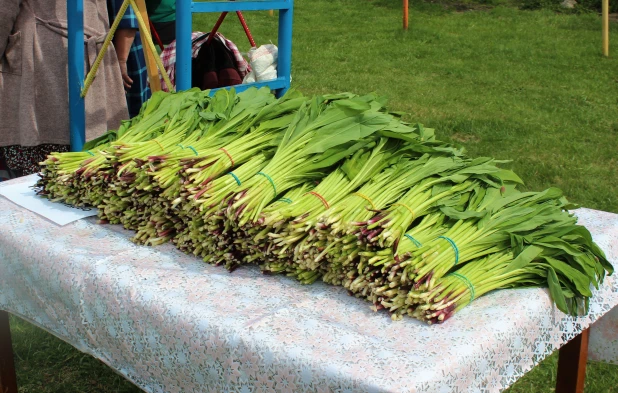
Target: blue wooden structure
(184, 18)
(184, 11)
(77, 110)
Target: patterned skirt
(18, 160)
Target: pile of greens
(333, 188)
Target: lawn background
(529, 86)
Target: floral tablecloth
(171, 323)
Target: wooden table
(170, 323)
(570, 379)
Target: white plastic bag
(263, 62)
(249, 78)
(269, 73)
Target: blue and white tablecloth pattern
(170, 323)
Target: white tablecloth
(171, 323)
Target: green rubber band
(192, 148)
(467, 282)
(235, 177)
(89, 152)
(455, 249)
(286, 200)
(181, 146)
(413, 240)
(272, 183)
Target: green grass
(527, 86)
(530, 86)
(46, 364)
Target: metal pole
(183, 44)
(284, 62)
(243, 22)
(605, 28)
(215, 28)
(77, 109)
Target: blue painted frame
(186, 8)
(184, 12)
(77, 109)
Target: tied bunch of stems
(333, 188)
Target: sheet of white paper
(21, 193)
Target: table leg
(8, 379)
(572, 364)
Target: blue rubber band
(465, 281)
(272, 183)
(89, 152)
(413, 240)
(235, 177)
(455, 249)
(192, 148)
(286, 200)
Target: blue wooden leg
(77, 110)
(184, 29)
(284, 62)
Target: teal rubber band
(235, 177)
(89, 152)
(286, 200)
(192, 148)
(467, 282)
(181, 146)
(272, 183)
(454, 248)
(413, 240)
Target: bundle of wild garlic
(331, 187)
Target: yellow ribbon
(365, 197)
(407, 207)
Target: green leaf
(457, 215)
(524, 258)
(211, 116)
(335, 154)
(587, 265)
(154, 101)
(582, 283)
(517, 243)
(440, 188)
(529, 224)
(550, 193)
(351, 106)
(109, 136)
(555, 291)
(487, 179)
(508, 175)
(557, 243)
(352, 166)
(345, 130)
(338, 96)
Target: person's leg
(139, 92)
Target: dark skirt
(16, 161)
